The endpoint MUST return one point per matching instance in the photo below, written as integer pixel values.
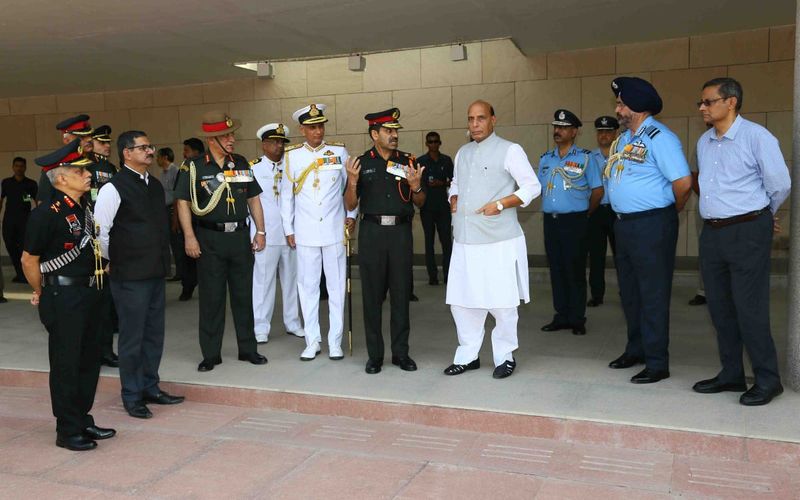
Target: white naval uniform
(315, 216)
(277, 259)
(489, 266)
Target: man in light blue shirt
(572, 189)
(648, 183)
(743, 182)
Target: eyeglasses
(144, 147)
(708, 102)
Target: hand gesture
(414, 175)
(353, 167)
(488, 209)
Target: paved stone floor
(197, 450)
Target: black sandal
(459, 369)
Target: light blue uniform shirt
(741, 172)
(601, 160)
(652, 160)
(567, 182)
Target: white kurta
(494, 275)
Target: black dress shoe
(175, 278)
(713, 386)
(594, 302)
(579, 330)
(186, 294)
(414, 298)
(698, 300)
(98, 433)
(253, 357)
(138, 410)
(405, 363)
(111, 360)
(555, 326)
(78, 442)
(208, 364)
(433, 282)
(3, 300)
(455, 369)
(163, 398)
(758, 396)
(373, 366)
(625, 361)
(648, 376)
(504, 370)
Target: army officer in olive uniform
(219, 190)
(386, 185)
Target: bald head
(481, 120)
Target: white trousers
(310, 263)
(470, 328)
(275, 261)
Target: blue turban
(637, 94)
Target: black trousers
(68, 314)
(565, 246)
(600, 234)
(437, 221)
(735, 262)
(384, 261)
(140, 305)
(226, 260)
(176, 245)
(107, 318)
(645, 264)
(13, 236)
(189, 266)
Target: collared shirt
(105, 209)
(438, 170)
(18, 196)
(567, 182)
(651, 160)
(269, 175)
(601, 160)
(168, 177)
(740, 172)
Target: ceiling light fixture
(263, 69)
(458, 52)
(356, 62)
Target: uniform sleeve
(37, 231)
(105, 210)
(593, 172)
(669, 157)
(182, 182)
(3, 189)
(774, 174)
(517, 164)
(287, 200)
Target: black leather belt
(736, 219)
(388, 220)
(57, 279)
(644, 213)
(566, 215)
(223, 227)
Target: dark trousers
(140, 305)
(226, 259)
(106, 315)
(176, 245)
(384, 261)
(68, 314)
(565, 246)
(13, 236)
(599, 235)
(735, 262)
(189, 265)
(645, 264)
(437, 221)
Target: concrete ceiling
(66, 46)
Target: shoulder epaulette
(293, 147)
(184, 166)
(584, 151)
(253, 162)
(652, 131)
(545, 154)
(340, 144)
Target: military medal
(230, 164)
(221, 177)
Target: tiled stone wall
(433, 93)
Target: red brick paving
(202, 450)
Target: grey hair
(53, 173)
(728, 87)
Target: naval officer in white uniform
(489, 265)
(313, 215)
(278, 259)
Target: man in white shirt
(278, 258)
(312, 210)
(489, 265)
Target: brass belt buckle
(231, 226)
(388, 220)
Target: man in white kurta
(313, 215)
(278, 259)
(489, 264)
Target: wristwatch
(418, 190)
(500, 206)
(262, 233)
